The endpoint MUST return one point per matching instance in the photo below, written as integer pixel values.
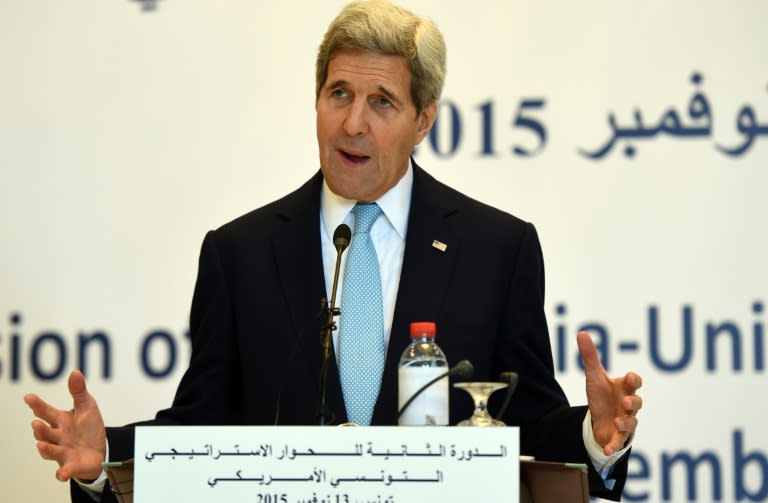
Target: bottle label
(429, 408)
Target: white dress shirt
(387, 234)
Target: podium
(120, 476)
(540, 482)
(544, 482)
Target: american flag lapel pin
(439, 245)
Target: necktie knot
(365, 215)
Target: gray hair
(380, 26)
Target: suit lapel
(424, 278)
(298, 257)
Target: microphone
(511, 379)
(341, 238)
(462, 369)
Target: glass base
(481, 392)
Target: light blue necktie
(361, 339)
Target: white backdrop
(127, 132)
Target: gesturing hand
(613, 403)
(76, 438)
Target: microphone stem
(511, 379)
(331, 312)
(327, 340)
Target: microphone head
(463, 369)
(341, 237)
(510, 378)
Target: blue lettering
(759, 342)
(709, 457)
(15, 348)
(560, 309)
(596, 329)
(454, 124)
(60, 357)
(15, 356)
(749, 468)
(84, 341)
(535, 126)
(162, 371)
(642, 473)
(712, 331)
(740, 461)
(486, 128)
(653, 334)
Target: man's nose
(356, 121)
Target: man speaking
(254, 317)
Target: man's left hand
(613, 403)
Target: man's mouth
(354, 158)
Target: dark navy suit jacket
(255, 321)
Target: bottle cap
(423, 329)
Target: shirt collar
(395, 204)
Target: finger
(632, 382)
(616, 443)
(42, 409)
(75, 468)
(63, 473)
(45, 433)
(626, 424)
(77, 389)
(588, 353)
(632, 404)
(611, 447)
(52, 452)
(67, 471)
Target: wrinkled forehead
(389, 73)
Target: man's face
(367, 124)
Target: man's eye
(383, 102)
(339, 93)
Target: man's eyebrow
(390, 95)
(337, 83)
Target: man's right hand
(76, 439)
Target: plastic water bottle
(422, 361)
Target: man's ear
(426, 120)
